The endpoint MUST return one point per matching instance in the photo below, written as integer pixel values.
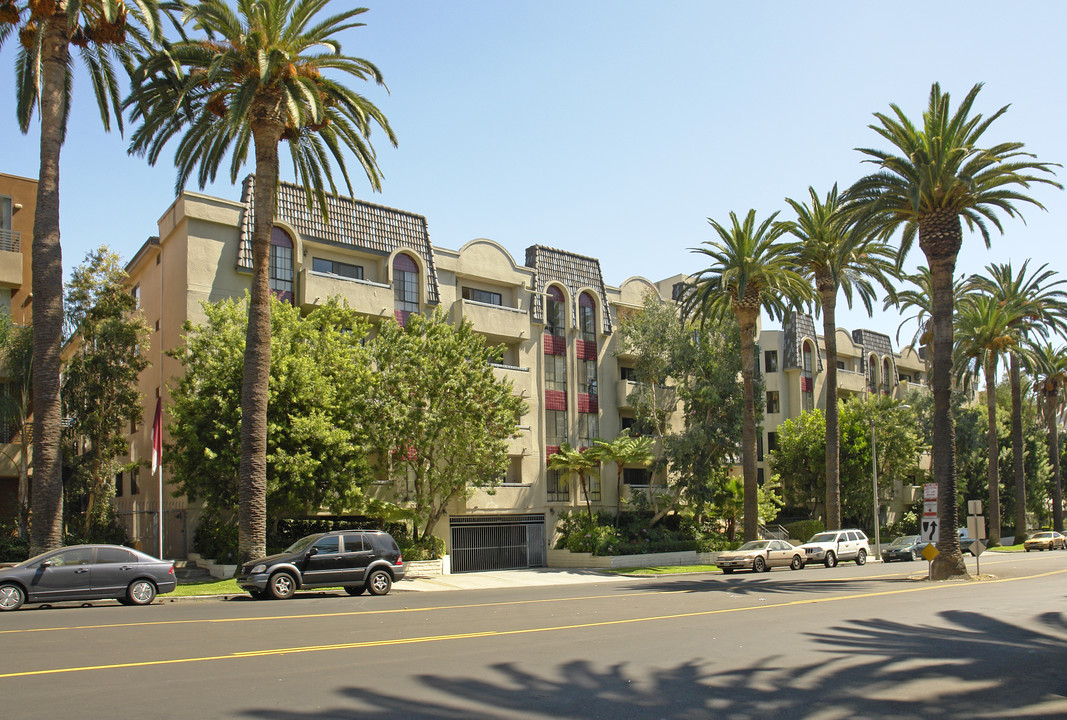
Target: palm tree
(917, 298)
(257, 79)
(1039, 305)
(623, 450)
(16, 368)
(750, 271)
(1049, 369)
(942, 178)
(581, 462)
(983, 334)
(833, 257)
(103, 31)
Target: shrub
(430, 548)
(803, 530)
(215, 539)
(11, 548)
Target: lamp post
(874, 475)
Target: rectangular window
(556, 372)
(134, 487)
(281, 271)
(627, 422)
(5, 216)
(588, 429)
(840, 364)
(592, 485)
(772, 402)
(759, 477)
(555, 428)
(637, 477)
(558, 487)
(118, 485)
(587, 377)
(759, 446)
(334, 267)
(136, 294)
(772, 441)
(482, 296)
(406, 291)
(770, 361)
(513, 475)
(628, 373)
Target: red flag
(157, 436)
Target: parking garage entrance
(497, 542)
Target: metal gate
(497, 542)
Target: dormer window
(281, 265)
(555, 323)
(405, 287)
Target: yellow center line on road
(505, 633)
(356, 613)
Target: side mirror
(312, 551)
(45, 564)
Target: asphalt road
(853, 642)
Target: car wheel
(11, 597)
(797, 564)
(861, 557)
(141, 592)
(831, 560)
(1027, 549)
(727, 571)
(354, 589)
(379, 582)
(759, 565)
(282, 585)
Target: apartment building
(18, 198)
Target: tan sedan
(761, 556)
(1046, 541)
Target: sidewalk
(506, 579)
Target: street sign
(976, 526)
(930, 492)
(978, 547)
(929, 527)
(930, 552)
(974, 507)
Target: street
(872, 642)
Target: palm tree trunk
(46, 530)
(1057, 487)
(994, 453)
(833, 435)
(252, 473)
(1017, 448)
(746, 320)
(940, 238)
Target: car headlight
(261, 568)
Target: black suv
(357, 560)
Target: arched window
(281, 264)
(887, 375)
(807, 379)
(555, 323)
(587, 317)
(405, 287)
(872, 374)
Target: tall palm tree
(1039, 305)
(983, 334)
(916, 297)
(583, 463)
(623, 450)
(257, 79)
(103, 32)
(941, 178)
(1049, 369)
(835, 258)
(750, 271)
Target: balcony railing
(10, 241)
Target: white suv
(832, 546)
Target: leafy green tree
(1049, 368)
(622, 451)
(256, 79)
(1036, 304)
(942, 177)
(103, 31)
(835, 258)
(983, 334)
(729, 502)
(749, 271)
(101, 397)
(441, 416)
(650, 337)
(16, 408)
(582, 463)
(321, 394)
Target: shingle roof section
(353, 223)
(571, 270)
(878, 343)
(798, 327)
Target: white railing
(10, 241)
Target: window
(558, 487)
(840, 364)
(555, 322)
(328, 544)
(5, 215)
(405, 287)
(872, 375)
(281, 264)
(772, 401)
(136, 295)
(759, 447)
(354, 543)
(678, 291)
(592, 486)
(113, 555)
(770, 361)
(637, 477)
(482, 296)
(588, 429)
(555, 428)
(759, 477)
(587, 377)
(513, 475)
(74, 556)
(134, 488)
(118, 485)
(887, 375)
(807, 380)
(772, 441)
(628, 422)
(587, 317)
(628, 373)
(556, 372)
(335, 267)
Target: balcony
(851, 381)
(369, 298)
(905, 388)
(522, 443)
(519, 377)
(10, 259)
(499, 323)
(623, 388)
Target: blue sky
(615, 129)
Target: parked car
(833, 546)
(761, 556)
(1046, 541)
(86, 572)
(357, 560)
(905, 547)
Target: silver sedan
(761, 556)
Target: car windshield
(754, 545)
(1042, 536)
(302, 543)
(824, 537)
(906, 540)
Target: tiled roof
(353, 223)
(797, 327)
(572, 271)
